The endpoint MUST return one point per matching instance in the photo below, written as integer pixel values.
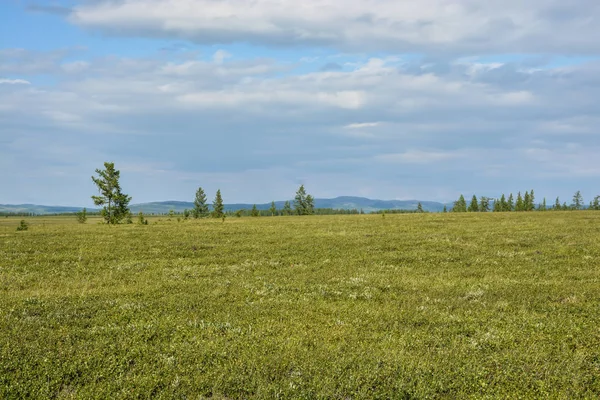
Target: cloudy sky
(388, 99)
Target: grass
(406, 306)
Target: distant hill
(163, 207)
(340, 203)
(36, 209)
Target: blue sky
(386, 99)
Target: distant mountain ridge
(163, 207)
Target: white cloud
(419, 157)
(362, 125)
(14, 82)
(377, 128)
(466, 26)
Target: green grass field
(407, 306)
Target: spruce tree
(116, 203)
(254, 212)
(200, 205)
(531, 206)
(557, 206)
(577, 201)
(445, 210)
(310, 205)
(420, 208)
(474, 206)
(519, 203)
(543, 206)
(460, 205)
(273, 209)
(503, 204)
(596, 203)
(510, 204)
(497, 206)
(303, 202)
(218, 206)
(287, 208)
(526, 201)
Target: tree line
(115, 203)
(525, 202)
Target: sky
(386, 99)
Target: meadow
(409, 306)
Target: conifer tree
(460, 205)
(565, 207)
(200, 206)
(254, 212)
(543, 206)
(445, 210)
(596, 203)
(218, 206)
(503, 204)
(303, 202)
(420, 208)
(116, 203)
(497, 205)
(557, 205)
(510, 203)
(526, 201)
(577, 201)
(531, 205)
(484, 204)
(273, 209)
(474, 206)
(519, 203)
(310, 205)
(287, 208)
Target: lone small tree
(273, 209)
(577, 201)
(200, 207)
(420, 208)
(303, 203)
(254, 211)
(141, 219)
(218, 207)
(23, 225)
(82, 216)
(116, 203)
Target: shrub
(23, 226)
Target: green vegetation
(200, 205)
(303, 202)
(23, 226)
(422, 305)
(115, 203)
(218, 208)
(82, 216)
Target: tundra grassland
(488, 305)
